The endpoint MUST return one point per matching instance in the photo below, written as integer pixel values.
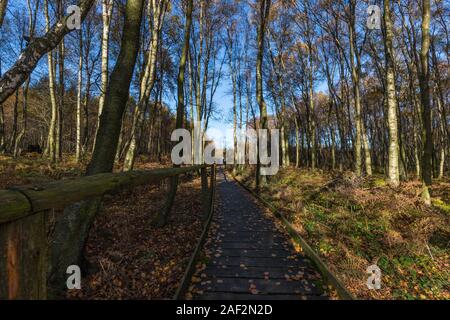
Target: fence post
(212, 183)
(24, 258)
(205, 192)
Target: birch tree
(156, 12)
(36, 48)
(391, 95)
(424, 80)
(107, 8)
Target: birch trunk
(424, 80)
(107, 7)
(391, 96)
(51, 140)
(78, 146)
(157, 9)
(36, 48)
(264, 10)
(163, 215)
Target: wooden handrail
(20, 202)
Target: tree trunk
(424, 80)
(107, 7)
(31, 27)
(297, 143)
(61, 93)
(36, 48)
(3, 5)
(78, 146)
(361, 137)
(51, 140)
(393, 172)
(73, 226)
(18, 139)
(147, 81)
(163, 215)
(264, 9)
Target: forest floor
(127, 258)
(353, 223)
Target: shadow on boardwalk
(248, 257)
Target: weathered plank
(247, 296)
(256, 253)
(217, 271)
(23, 258)
(262, 286)
(257, 262)
(13, 205)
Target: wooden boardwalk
(248, 257)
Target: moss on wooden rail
(17, 203)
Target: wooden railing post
(205, 192)
(24, 258)
(212, 182)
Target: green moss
(325, 247)
(442, 205)
(310, 226)
(378, 182)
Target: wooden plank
(240, 285)
(248, 237)
(216, 271)
(14, 205)
(257, 262)
(247, 296)
(248, 245)
(23, 258)
(255, 253)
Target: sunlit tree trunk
(15, 122)
(61, 92)
(107, 7)
(232, 64)
(393, 171)
(157, 10)
(31, 26)
(161, 218)
(424, 80)
(18, 138)
(78, 145)
(297, 143)
(264, 8)
(361, 137)
(51, 140)
(441, 109)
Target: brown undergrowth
(356, 222)
(130, 259)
